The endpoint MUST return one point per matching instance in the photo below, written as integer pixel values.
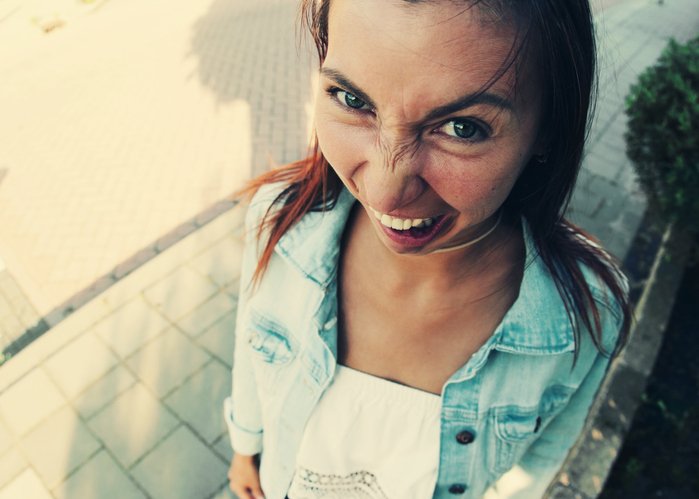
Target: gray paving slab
(182, 467)
(219, 339)
(209, 387)
(132, 424)
(80, 364)
(100, 477)
(28, 402)
(207, 314)
(179, 293)
(223, 448)
(58, 446)
(27, 484)
(221, 262)
(12, 464)
(164, 363)
(130, 326)
(104, 391)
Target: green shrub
(663, 134)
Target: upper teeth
(401, 223)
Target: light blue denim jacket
(520, 394)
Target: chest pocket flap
(269, 341)
(515, 428)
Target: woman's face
(400, 118)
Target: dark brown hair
(560, 34)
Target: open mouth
(416, 230)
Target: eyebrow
(345, 82)
(463, 102)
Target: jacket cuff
(243, 441)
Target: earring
(540, 159)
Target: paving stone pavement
(128, 119)
(122, 398)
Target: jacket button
(465, 437)
(457, 488)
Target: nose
(392, 177)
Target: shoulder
(598, 287)
(610, 309)
(263, 201)
(573, 279)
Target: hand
(244, 477)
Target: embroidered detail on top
(308, 484)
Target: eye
(347, 99)
(464, 129)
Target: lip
(409, 241)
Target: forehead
(432, 49)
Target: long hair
(560, 34)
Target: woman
(416, 317)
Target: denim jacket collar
(536, 324)
(313, 245)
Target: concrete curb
(588, 464)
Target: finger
(244, 491)
(256, 488)
(240, 491)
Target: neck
(473, 241)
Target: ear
(541, 144)
(540, 150)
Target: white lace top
(369, 438)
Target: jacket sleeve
(242, 409)
(530, 478)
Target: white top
(369, 438)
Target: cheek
(473, 184)
(342, 145)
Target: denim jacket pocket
(271, 351)
(516, 428)
(269, 342)
(269, 347)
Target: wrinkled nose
(392, 178)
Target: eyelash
(333, 91)
(481, 129)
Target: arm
(242, 409)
